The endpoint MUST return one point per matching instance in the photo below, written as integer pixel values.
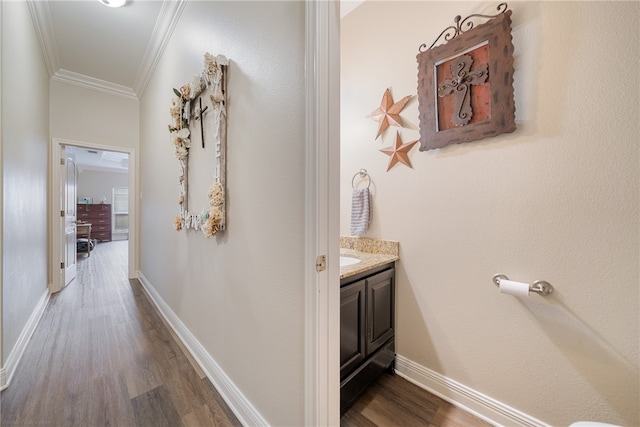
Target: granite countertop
(371, 253)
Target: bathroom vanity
(367, 320)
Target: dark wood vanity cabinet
(367, 345)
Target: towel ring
(362, 173)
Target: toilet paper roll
(510, 287)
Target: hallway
(101, 355)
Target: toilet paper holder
(539, 286)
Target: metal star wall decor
(389, 113)
(399, 152)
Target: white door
(69, 176)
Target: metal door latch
(321, 263)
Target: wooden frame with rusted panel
(465, 86)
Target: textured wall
(556, 200)
(241, 293)
(94, 117)
(25, 133)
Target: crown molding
(41, 17)
(347, 6)
(81, 80)
(167, 20)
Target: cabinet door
(380, 309)
(352, 326)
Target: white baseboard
(247, 414)
(7, 371)
(472, 401)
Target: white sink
(347, 260)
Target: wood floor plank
(450, 416)
(356, 419)
(200, 417)
(155, 408)
(112, 406)
(393, 401)
(140, 375)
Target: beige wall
(555, 200)
(90, 116)
(99, 184)
(241, 294)
(25, 132)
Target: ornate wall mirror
(198, 121)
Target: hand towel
(360, 211)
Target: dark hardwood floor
(394, 401)
(102, 356)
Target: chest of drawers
(99, 216)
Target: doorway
(105, 174)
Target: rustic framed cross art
(465, 86)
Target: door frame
(3, 372)
(322, 213)
(64, 189)
(56, 227)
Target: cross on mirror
(200, 116)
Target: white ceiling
(103, 42)
(98, 160)
(110, 49)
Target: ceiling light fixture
(113, 3)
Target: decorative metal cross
(199, 116)
(460, 82)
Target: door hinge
(62, 213)
(62, 265)
(321, 263)
(62, 162)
